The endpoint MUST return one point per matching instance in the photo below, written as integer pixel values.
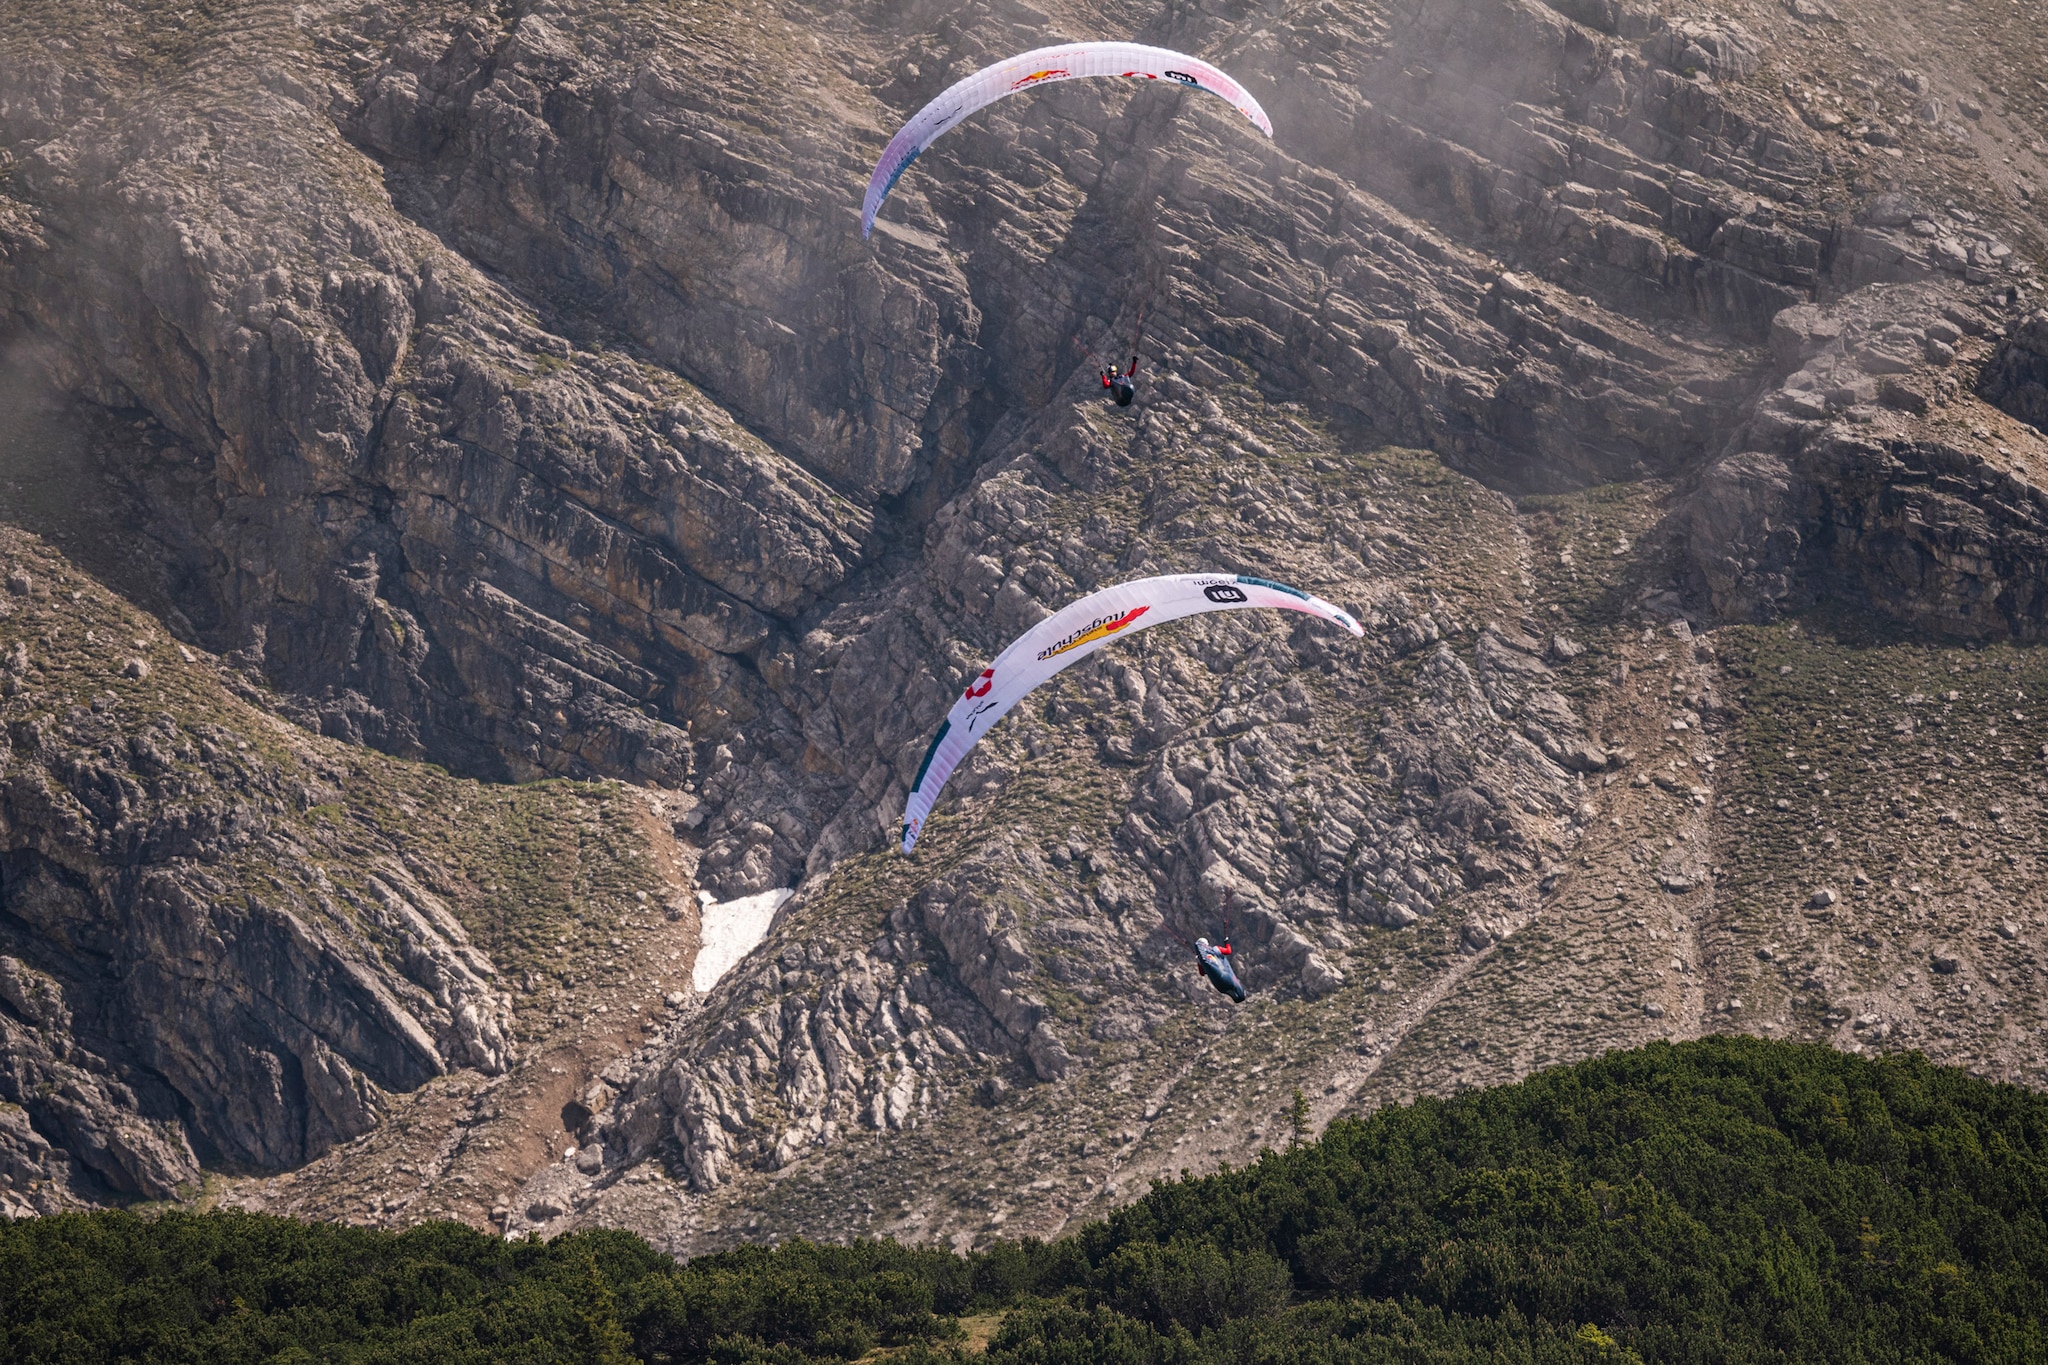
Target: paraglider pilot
(1216, 966)
(1118, 382)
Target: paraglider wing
(1073, 633)
(1066, 62)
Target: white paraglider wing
(1065, 62)
(1073, 633)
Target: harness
(1225, 960)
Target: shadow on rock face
(71, 472)
(2016, 379)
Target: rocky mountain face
(511, 388)
(228, 942)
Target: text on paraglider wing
(1095, 630)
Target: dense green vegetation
(1730, 1200)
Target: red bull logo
(1057, 73)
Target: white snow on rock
(731, 929)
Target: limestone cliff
(511, 387)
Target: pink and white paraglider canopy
(1064, 62)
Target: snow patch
(731, 930)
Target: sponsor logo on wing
(1225, 592)
(1269, 583)
(1099, 629)
(1056, 74)
(980, 686)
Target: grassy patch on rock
(1884, 792)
